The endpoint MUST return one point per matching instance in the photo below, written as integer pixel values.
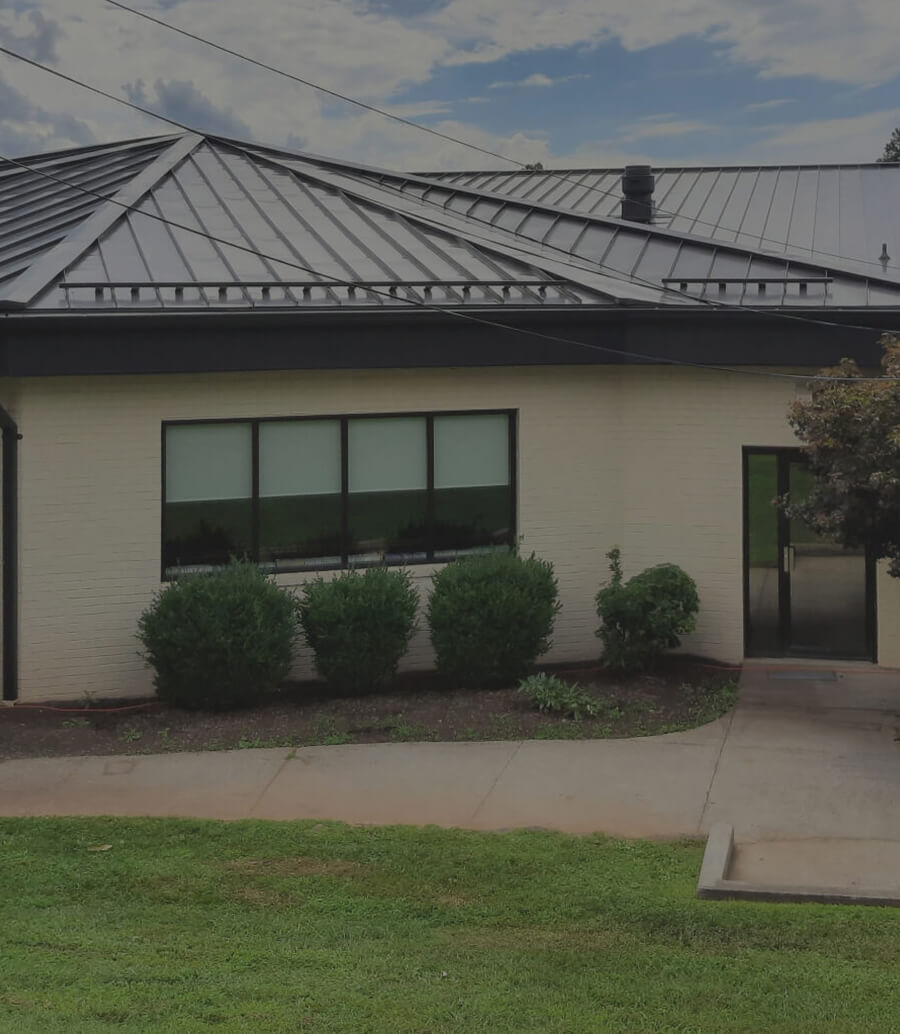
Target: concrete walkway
(799, 757)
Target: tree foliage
(850, 428)
(891, 151)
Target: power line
(610, 271)
(446, 136)
(94, 89)
(455, 313)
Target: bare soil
(681, 694)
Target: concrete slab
(820, 862)
(835, 872)
(213, 784)
(652, 787)
(386, 783)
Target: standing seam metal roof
(388, 239)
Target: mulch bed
(682, 693)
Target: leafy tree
(891, 151)
(850, 428)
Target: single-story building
(210, 347)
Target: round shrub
(645, 615)
(491, 617)
(217, 641)
(359, 626)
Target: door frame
(784, 456)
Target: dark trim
(429, 484)
(784, 458)
(428, 416)
(162, 500)
(514, 476)
(785, 455)
(254, 488)
(345, 491)
(745, 545)
(9, 508)
(238, 342)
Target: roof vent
(884, 258)
(637, 186)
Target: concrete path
(797, 758)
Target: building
(209, 347)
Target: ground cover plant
(680, 693)
(268, 928)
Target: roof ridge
(22, 289)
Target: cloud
(537, 79)
(766, 105)
(853, 41)
(27, 128)
(860, 138)
(181, 101)
(41, 42)
(655, 128)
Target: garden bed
(681, 694)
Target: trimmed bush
(218, 641)
(491, 617)
(644, 616)
(359, 626)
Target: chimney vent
(637, 187)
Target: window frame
(344, 419)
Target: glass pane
(471, 451)
(471, 519)
(762, 534)
(300, 491)
(388, 502)
(828, 587)
(208, 509)
(388, 454)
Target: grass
(182, 926)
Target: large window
(337, 492)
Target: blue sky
(564, 83)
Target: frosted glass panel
(299, 458)
(471, 451)
(208, 461)
(388, 455)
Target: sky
(568, 83)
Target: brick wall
(646, 458)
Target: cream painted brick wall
(647, 458)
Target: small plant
(76, 723)
(552, 695)
(131, 735)
(217, 641)
(491, 616)
(359, 626)
(644, 616)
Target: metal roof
(822, 213)
(297, 231)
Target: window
(336, 492)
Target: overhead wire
(429, 306)
(554, 174)
(611, 271)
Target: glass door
(804, 594)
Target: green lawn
(187, 926)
